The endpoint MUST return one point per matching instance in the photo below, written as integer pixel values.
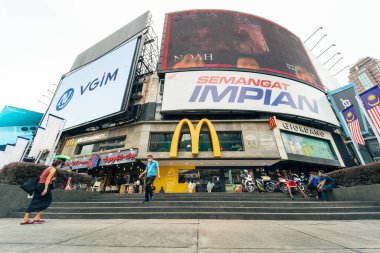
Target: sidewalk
(190, 236)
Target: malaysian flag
(352, 121)
(371, 102)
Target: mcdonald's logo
(70, 142)
(194, 134)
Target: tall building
(365, 73)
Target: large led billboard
(226, 91)
(199, 39)
(96, 90)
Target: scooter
(249, 186)
(281, 183)
(300, 182)
(265, 184)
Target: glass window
(229, 141)
(100, 146)
(307, 146)
(374, 148)
(366, 82)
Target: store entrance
(118, 178)
(221, 179)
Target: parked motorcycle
(281, 183)
(265, 184)
(300, 181)
(247, 184)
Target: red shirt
(44, 175)
(291, 183)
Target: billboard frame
(165, 45)
(127, 94)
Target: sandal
(39, 220)
(26, 222)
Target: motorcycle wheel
(270, 187)
(283, 188)
(302, 186)
(251, 188)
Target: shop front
(115, 171)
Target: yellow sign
(70, 142)
(194, 134)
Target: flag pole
(353, 140)
(360, 102)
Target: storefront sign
(90, 162)
(194, 134)
(92, 138)
(302, 129)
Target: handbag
(30, 185)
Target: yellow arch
(177, 134)
(214, 137)
(194, 135)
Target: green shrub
(19, 172)
(358, 175)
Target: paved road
(190, 236)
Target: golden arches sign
(194, 134)
(70, 142)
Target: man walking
(152, 170)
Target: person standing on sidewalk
(42, 197)
(152, 171)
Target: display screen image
(96, 90)
(225, 39)
(307, 146)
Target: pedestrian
(312, 185)
(152, 171)
(294, 187)
(42, 197)
(326, 183)
(162, 191)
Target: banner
(371, 102)
(37, 143)
(218, 91)
(351, 118)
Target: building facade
(365, 73)
(232, 91)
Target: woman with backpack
(42, 197)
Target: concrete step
(288, 203)
(212, 215)
(170, 209)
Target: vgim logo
(92, 85)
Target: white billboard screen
(95, 90)
(243, 91)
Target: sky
(40, 39)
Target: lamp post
(341, 58)
(46, 97)
(42, 102)
(332, 45)
(324, 35)
(313, 34)
(341, 70)
(331, 58)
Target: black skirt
(40, 203)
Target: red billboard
(219, 39)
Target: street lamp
(331, 58)
(50, 91)
(324, 35)
(313, 34)
(341, 58)
(42, 102)
(46, 97)
(332, 45)
(341, 70)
